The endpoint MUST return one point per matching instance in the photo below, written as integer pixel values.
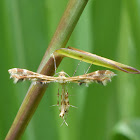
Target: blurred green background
(108, 28)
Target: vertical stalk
(35, 93)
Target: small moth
(100, 76)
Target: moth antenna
(67, 74)
(77, 67)
(54, 62)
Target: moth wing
(100, 76)
(23, 74)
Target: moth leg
(58, 98)
(67, 101)
(73, 106)
(54, 62)
(77, 67)
(88, 69)
(64, 121)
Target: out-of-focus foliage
(127, 130)
(107, 28)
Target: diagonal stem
(35, 93)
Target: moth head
(63, 74)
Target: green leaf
(95, 59)
(127, 130)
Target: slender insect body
(100, 76)
(63, 108)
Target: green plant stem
(35, 93)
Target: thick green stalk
(35, 93)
